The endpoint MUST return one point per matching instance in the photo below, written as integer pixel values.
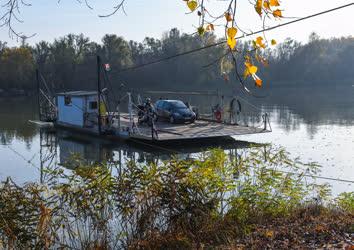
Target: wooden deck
(200, 129)
(167, 132)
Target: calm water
(317, 126)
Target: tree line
(69, 62)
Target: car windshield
(178, 105)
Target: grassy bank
(259, 200)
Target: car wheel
(172, 119)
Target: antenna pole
(130, 110)
(99, 94)
(38, 95)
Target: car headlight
(177, 114)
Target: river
(313, 125)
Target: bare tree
(10, 12)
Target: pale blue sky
(50, 19)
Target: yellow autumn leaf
(259, 83)
(253, 69)
(201, 31)
(258, 7)
(266, 5)
(228, 17)
(274, 3)
(273, 42)
(277, 13)
(231, 32)
(259, 42)
(231, 41)
(192, 5)
(248, 64)
(246, 73)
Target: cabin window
(67, 100)
(93, 105)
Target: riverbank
(214, 201)
(309, 228)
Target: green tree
(17, 68)
(116, 51)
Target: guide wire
(23, 157)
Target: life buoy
(217, 115)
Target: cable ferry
(91, 112)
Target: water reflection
(14, 116)
(62, 147)
(311, 105)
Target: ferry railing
(130, 111)
(266, 122)
(154, 132)
(248, 115)
(239, 112)
(132, 125)
(242, 112)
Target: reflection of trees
(312, 129)
(312, 106)
(14, 116)
(286, 118)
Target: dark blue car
(175, 111)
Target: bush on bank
(217, 200)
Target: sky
(51, 19)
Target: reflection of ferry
(70, 146)
(92, 112)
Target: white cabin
(78, 108)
